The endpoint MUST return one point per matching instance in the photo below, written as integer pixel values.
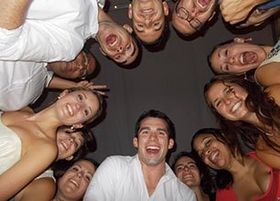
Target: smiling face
(187, 171)
(148, 18)
(190, 15)
(236, 58)
(153, 142)
(228, 100)
(68, 142)
(76, 107)
(116, 43)
(213, 152)
(84, 64)
(73, 184)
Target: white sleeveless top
(10, 147)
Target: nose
(227, 100)
(148, 22)
(153, 135)
(120, 49)
(186, 168)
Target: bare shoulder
(268, 74)
(42, 189)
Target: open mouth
(147, 10)
(111, 40)
(236, 106)
(74, 183)
(152, 149)
(69, 110)
(248, 58)
(214, 157)
(203, 3)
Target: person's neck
(152, 175)
(45, 120)
(103, 20)
(240, 166)
(267, 49)
(200, 195)
(60, 197)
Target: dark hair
(206, 178)
(60, 169)
(156, 114)
(89, 145)
(257, 101)
(209, 57)
(223, 178)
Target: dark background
(170, 80)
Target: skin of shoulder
(268, 155)
(37, 157)
(42, 189)
(268, 74)
(274, 92)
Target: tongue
(249, 57)
(111, 39)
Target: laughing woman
(28, 139)
(242, 108)
(239, 177)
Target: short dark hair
(156, 114)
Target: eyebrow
(86, 99)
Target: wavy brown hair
(257, 101)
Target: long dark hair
(223, 178)
(257, 101)
(206, 178)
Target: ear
(170, 143)
(129, 12)
(210, 18)
(165, 8)
(69, 158)
(102, 51)
(128, 28)
(135, 142)
(64, 93)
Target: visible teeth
(153, 147)
(241, 59)
(74, 182)
(236, 106)
(70, 110)
(147, 10)
(213, 157)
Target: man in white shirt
(23, 82)
(145, 176)
(54, 30)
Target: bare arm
(31, 164)
(235, 11)
(59, 83)
(12, 13)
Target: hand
(235, 11)
(90, 85)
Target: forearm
(12, 13)
(59, 83)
